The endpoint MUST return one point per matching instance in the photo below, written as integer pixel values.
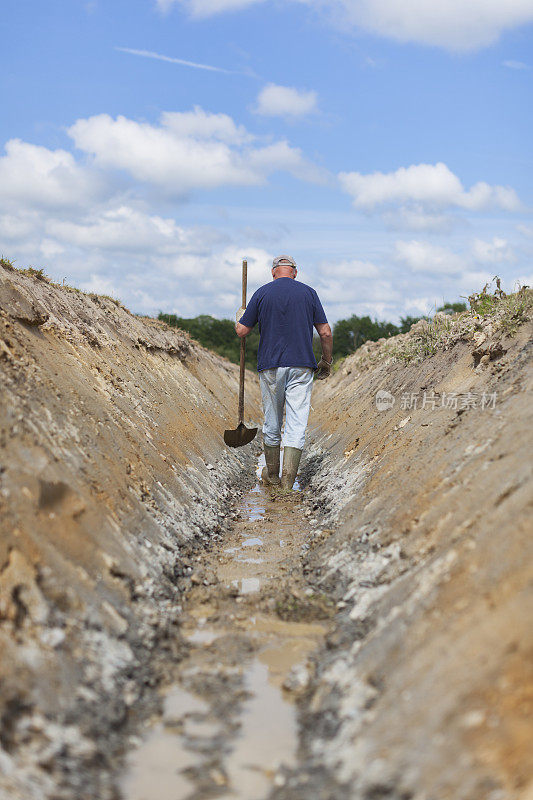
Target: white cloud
(419, 306)
(375, 296)
(423, 187)
(42, 178)
(415, 218)
(425, 257)
(207, 8)
(200, 124)
(473, 281)
(285, 101)
(350, 269)
(515, 65)
(147, 260)
(523, 280)
(76, 218)
(452, 24)
(50, 248)
(122, 229)
(16, 226)
(99, 284)
(186, 151)
(496, 251)
(356, 286)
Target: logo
(384, 400)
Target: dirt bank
(423, 512)
(112, 471)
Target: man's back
(286, 311)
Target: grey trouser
(289, 387)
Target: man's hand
(323, 370)
(239, 313)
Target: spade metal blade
(240, 436)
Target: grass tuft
(33, 272)
(6, 263)
(491, 311)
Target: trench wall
(112, 471)
(423, 536)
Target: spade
(241, 435)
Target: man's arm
(326, 340)
(241, 330)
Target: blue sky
(385, 144)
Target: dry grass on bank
(492, 313)
(40, 275)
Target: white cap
(283, 261)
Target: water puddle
(268, 738)
(156, 768)
(228, 726)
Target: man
(286, 311)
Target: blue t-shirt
(286, 311)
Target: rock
(21, 307)
(297, 679)
(403, 423)
(20, 597)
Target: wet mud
(228, 724)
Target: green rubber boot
(291, 462)
(270, 473)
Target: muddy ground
(251, 621)
(171, 629)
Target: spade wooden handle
(243, 344)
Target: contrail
(159, 57)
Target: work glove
(239, 313)
(323, 370)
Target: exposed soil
(171, 629)
(425, 688)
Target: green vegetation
(36, 273)
(349, 334)
(218, 335)
(6, 263)
(452, 308)
(517, 309)
(431, 336)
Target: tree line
(348, 334)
